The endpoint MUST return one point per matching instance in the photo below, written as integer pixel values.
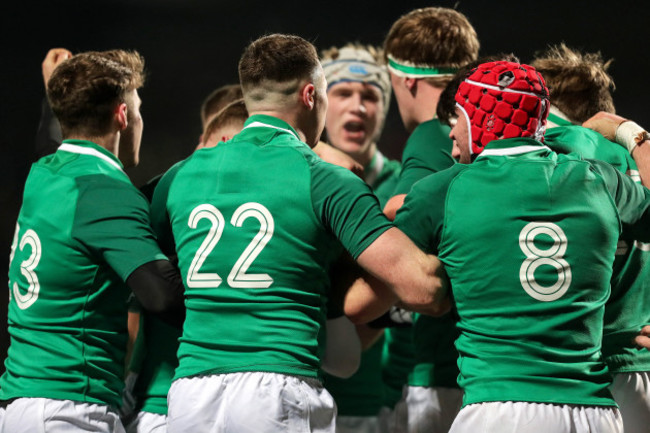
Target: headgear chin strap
(503, 100)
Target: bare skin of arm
(398, 272)
(607, 125)
(643, 339)
(337, 157)
(52, 59)
(393, 205)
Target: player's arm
(349, 209)
(399, 273)
(337, 157)
(112, 223)
(159, 288)
(629, 135)
(392, 206)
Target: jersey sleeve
(112, 222)
(421, 217)
(632, 200)
(347, 207)
(427, 151)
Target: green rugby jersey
(82, 229)
(427, 150)
(154, 360)
(427, 357)
(255, 222)
(626, 310)
(528, 239)
(382, 175)
(362, 394)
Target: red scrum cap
(503, 100)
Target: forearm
(641, 156)
(415, 279)
(367, 299)
(393, 205)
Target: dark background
(192, 46)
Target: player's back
(625, 312)
(253, 229)
(528, 242)
(67, 315)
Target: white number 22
(238, 276)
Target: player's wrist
(629, 134)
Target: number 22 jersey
(256, 222)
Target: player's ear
(307, 95)
(411, 84)
(121, 116)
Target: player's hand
(605, 123)
(643, 339)
(337, 157)
(52, 59)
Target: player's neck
(426, 102)
(292, 118)
(110, 142)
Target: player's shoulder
(442, 179)
(431, 129)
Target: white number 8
(535, 257)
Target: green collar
(85, 147)
(558, 120)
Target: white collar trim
(511, 150)
(266, 125)
(73, 148)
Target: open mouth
(355, 129)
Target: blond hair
(579, 84)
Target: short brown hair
(278, 58)
(218, 99)
(85, 89)
(234, 113)
(578, 83)
(433, 36)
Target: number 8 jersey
(255, 222)
(528, 238)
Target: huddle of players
(535, 361)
